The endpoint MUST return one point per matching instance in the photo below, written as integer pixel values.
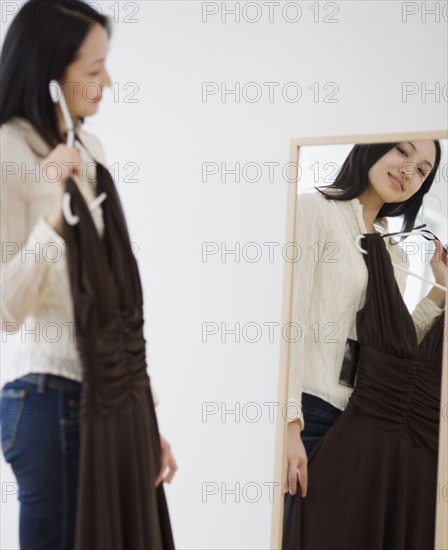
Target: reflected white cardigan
(329, 287)
(35, 289)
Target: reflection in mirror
(364, 373)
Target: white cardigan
(329, 287)
(35, 288)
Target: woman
(69, 42)
(330, 278)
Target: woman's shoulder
(314, 216)
(19, 139)
(18, 159)
(12, 131)
(315, 209)
(13, 138)
(315, 198)
(311, 199)
(12, 126)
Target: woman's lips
(98, 97)
(395, 182)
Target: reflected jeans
(40, 440)
(319, 416)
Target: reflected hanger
(416, 231)
(58, 97)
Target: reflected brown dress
(372, 478)
(118, 506)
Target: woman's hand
(61, 163)
(439, 264)
(296, 461)
(168, 461)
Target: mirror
(365, 363)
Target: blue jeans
(319, 416)
(40, 440)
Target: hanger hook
(67, 211)
(419, 232)
(358, 246)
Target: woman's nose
(107, 82)
(407, 170)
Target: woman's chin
(391, 195)
(90, 110)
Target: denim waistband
(312, 401)
(45, 380)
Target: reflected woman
(333, 281)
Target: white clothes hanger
(57, 96)
(416, 231)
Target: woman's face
(408, 162)
(86, 77)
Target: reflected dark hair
(42, 40)
(352, 179)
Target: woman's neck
(61, 121)
(371, 205)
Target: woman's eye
(94, 74)
(403, 152)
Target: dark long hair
(352, 179)
(42, 40)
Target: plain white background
(361, 60)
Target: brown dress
(118, 506)
(372, 478)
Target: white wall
(169, 133)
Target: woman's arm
(429, 307)
(310, 240)
(424, 315)
(29, 255)
(433, 303)
(439, 266)
(437, 296)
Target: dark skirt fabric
(372, 478)
(118, 506)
